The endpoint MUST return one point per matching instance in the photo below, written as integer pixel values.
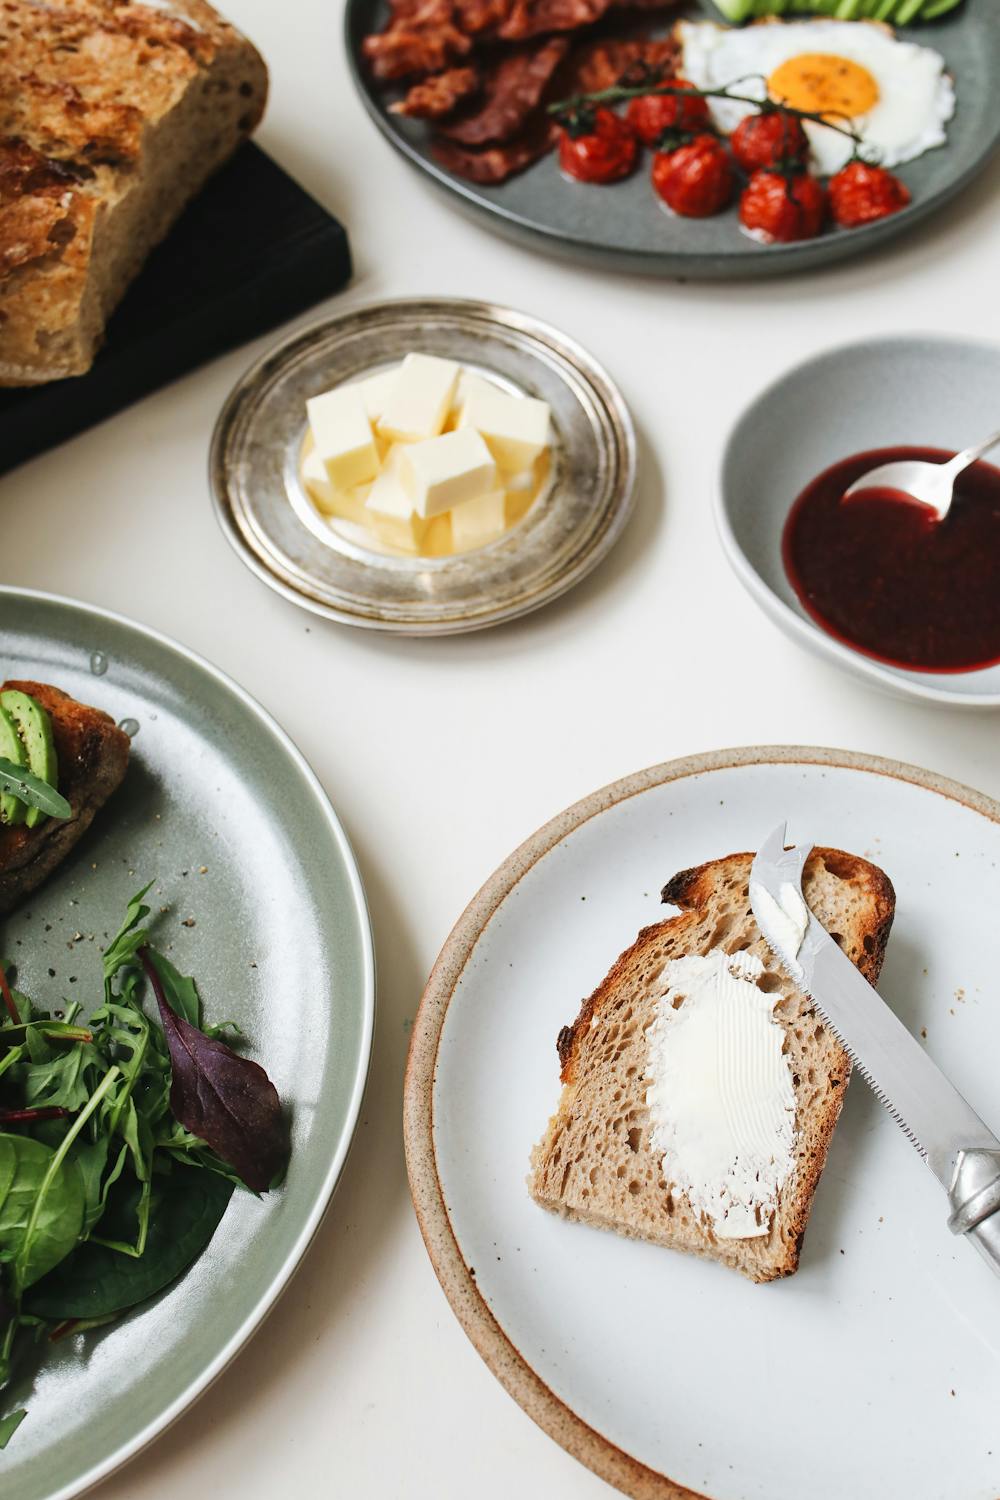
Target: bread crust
(112, 115)
(693, 891)
(93, 756)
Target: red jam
(883, 574)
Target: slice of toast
(596, 1161)
(92, 753)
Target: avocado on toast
(92, 756)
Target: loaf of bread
(112, 116)
(596, 1161)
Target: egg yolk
(824, 84)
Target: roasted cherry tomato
(860, 194)
(696, 180)
(651, 115)
(778, 206)
(605, 153)
(764, 140)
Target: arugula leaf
(92, 1159)
(32, 791)
(181, 993)
(226, 1100)
(128, 940)
(95, 1282)
(9, 1425)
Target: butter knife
(961, 1151)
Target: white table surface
(442, 755)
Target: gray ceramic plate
(623, 226)
(870, 1373)
(918, 389)
(280, 941)
(259, 501)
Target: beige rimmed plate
(570, 528)
(873, 1371)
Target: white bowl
(919, 389)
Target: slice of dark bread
(92, 753)
(596, 1162)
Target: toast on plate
(92, 754)
(112, 116)
(597, 1161)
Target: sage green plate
(222, 811)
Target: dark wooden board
(252, 250)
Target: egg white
(916, 96)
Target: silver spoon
(931, 484)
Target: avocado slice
(33, 728)
(12, 809)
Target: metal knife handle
(975, 1201)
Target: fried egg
(895, 95)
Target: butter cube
(521, 480)
(437, 538)
(468, 381)
(524, 486)
(446, 471)
(418, 402)
(390, 510)
(516, 428)
(374, 391)
(479, 521)
(343, 436)
(344, 505)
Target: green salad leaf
(32, 791)
(122, 1138)
(95, 1281)
(9, 1425)
(41, 1208)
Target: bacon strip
(401, 52)
(475, 17)
(601, 64)
(530, 18)
(512, 92)
(496, 163)
(438, 95)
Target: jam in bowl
(882, 574)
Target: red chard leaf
(226, 1100)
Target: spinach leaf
(41, 1209)
(48, 1212)
(32, 791)
(96, 1282)
(226, 1100)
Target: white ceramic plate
(875, 1371)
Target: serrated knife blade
(959, 1147)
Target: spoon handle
(961, 461)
